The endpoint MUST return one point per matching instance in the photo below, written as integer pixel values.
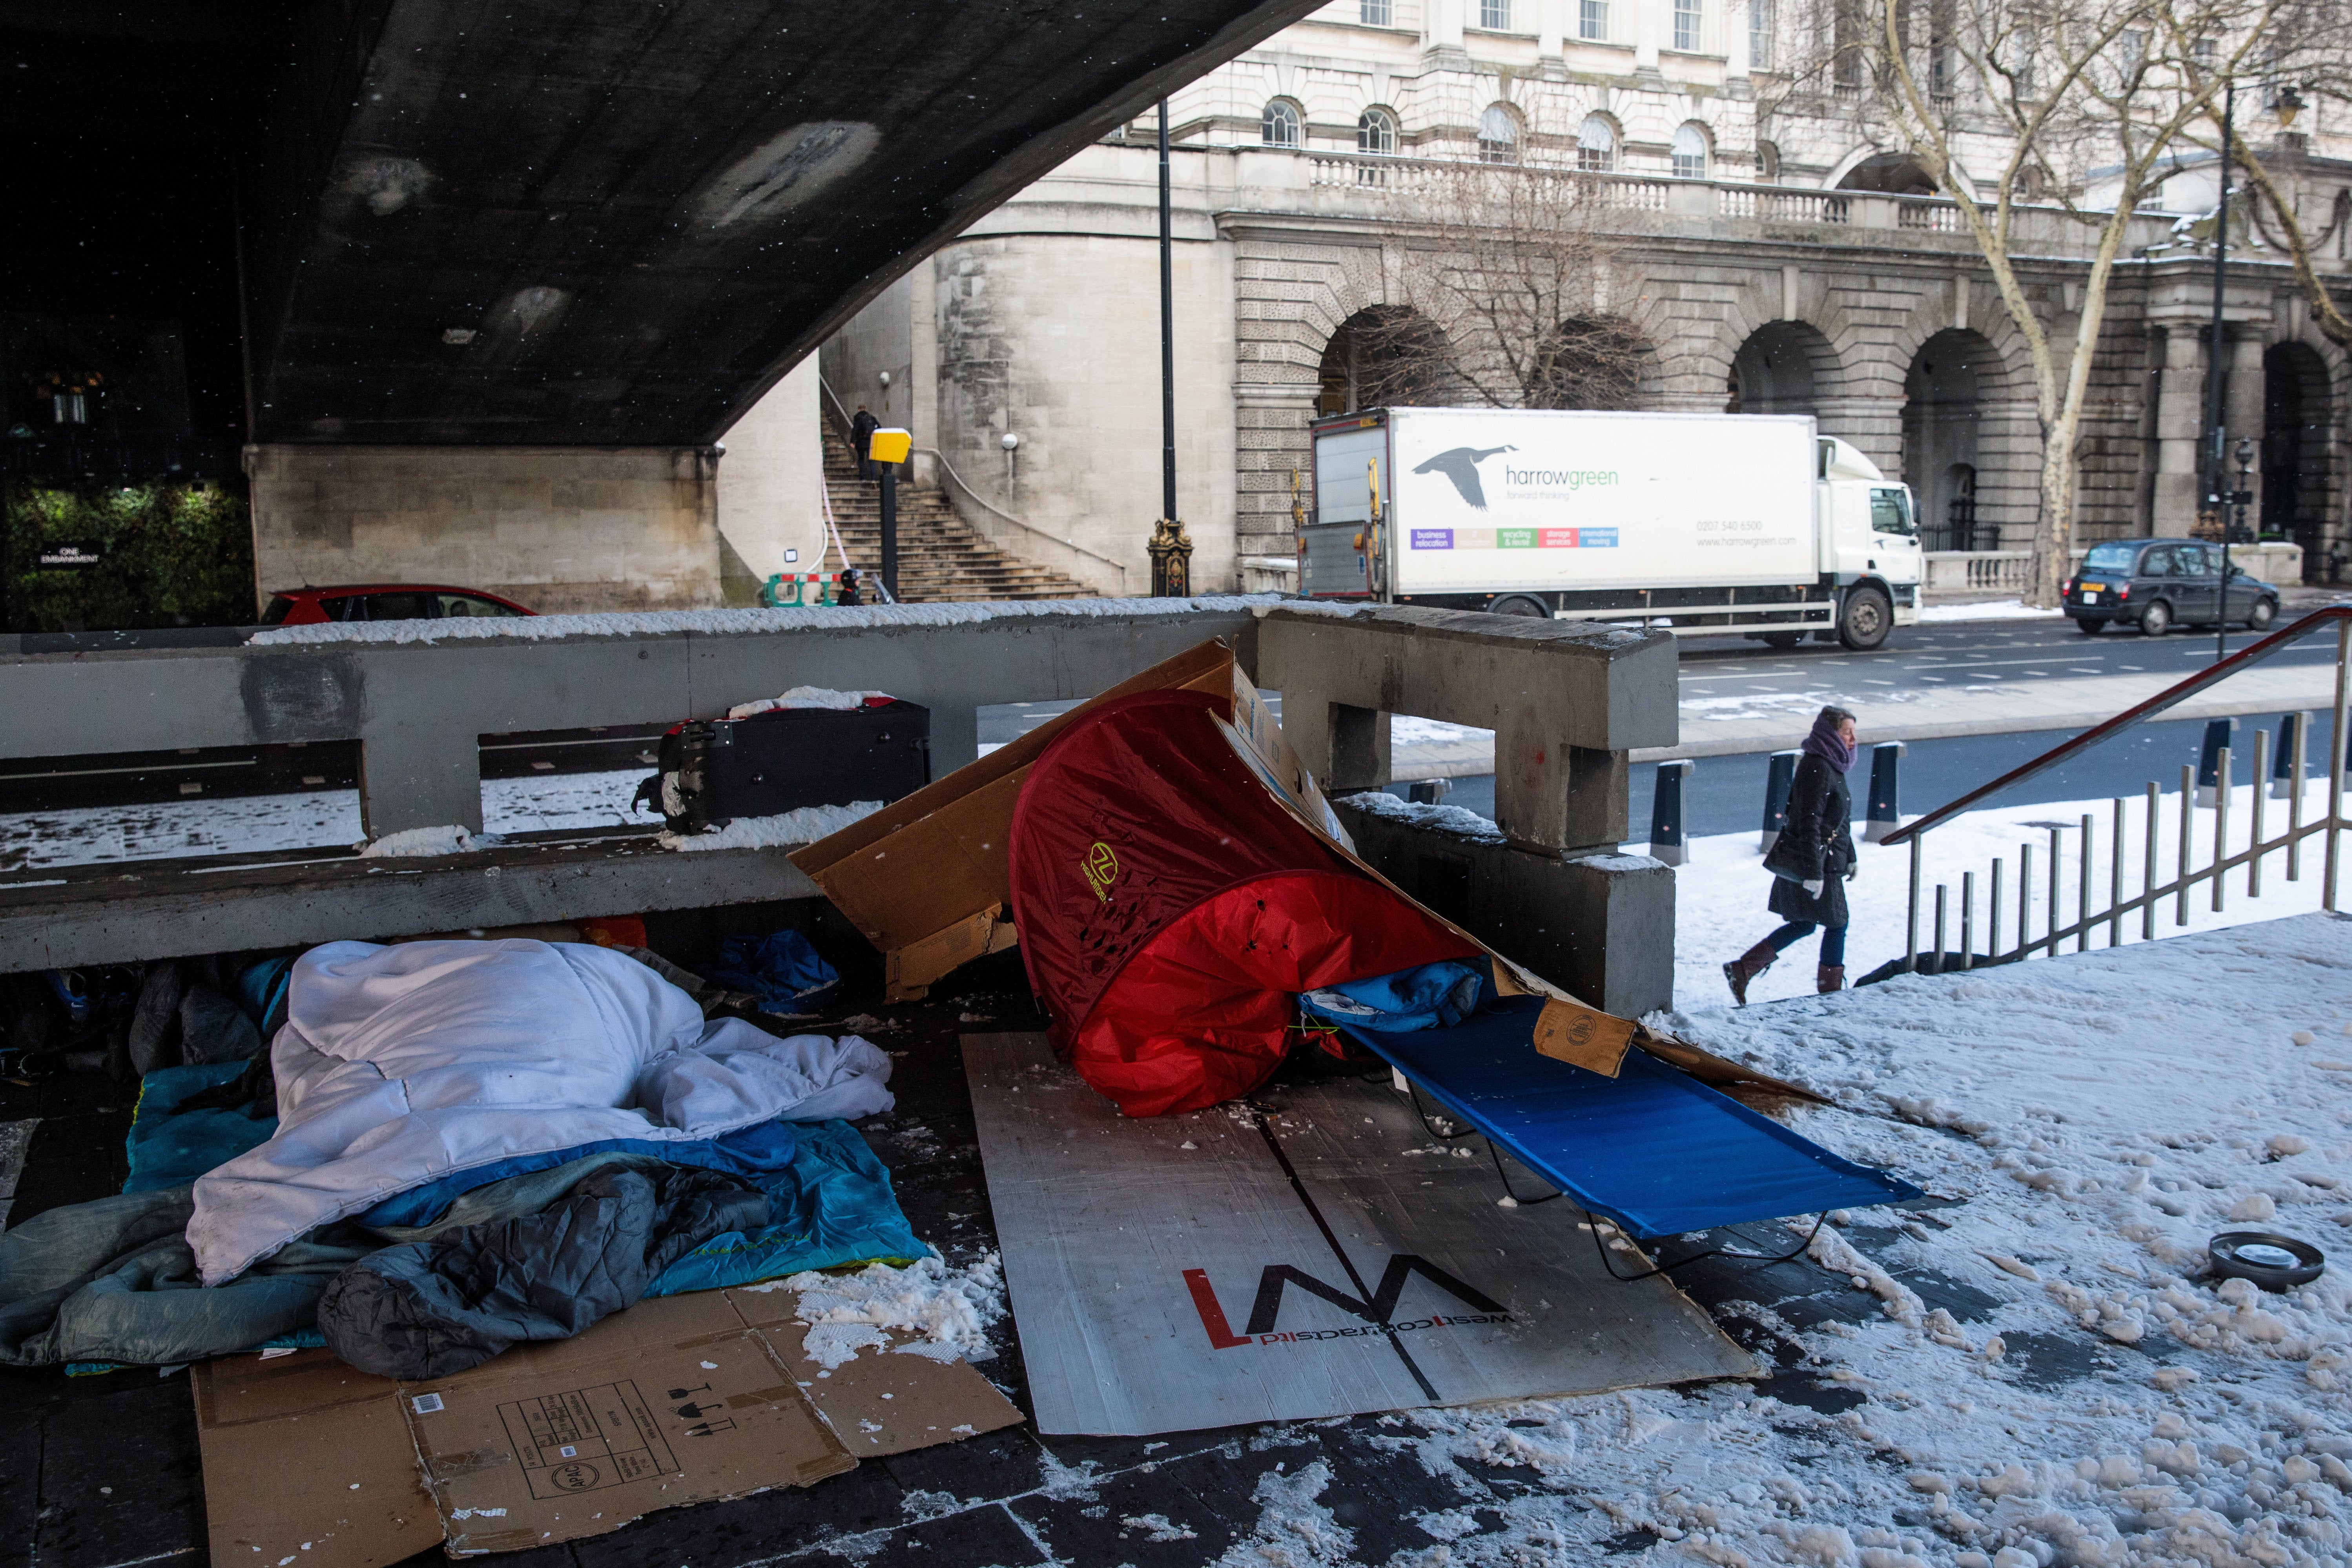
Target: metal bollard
(1885, 791)
(1776, 797)
(1667, 820)
(2292, 728)
(2217, 740)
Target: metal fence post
(1992, 915)
(2180, 867)
(2116, 877)
(2220, 829)
(2050, 926)
(2295, 815)
(1968, 920)
(2082, 892)
(2217, 740)
(2024, 902)
(1911, 922)
(2335, 765)
(2147, 868)
(1777, 783)
(1885, 812)
(1667, 823)
(2254, 828)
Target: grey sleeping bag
(115, 1281)
(428, 1308)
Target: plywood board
(1175, 1273)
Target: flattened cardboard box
(683, 1400)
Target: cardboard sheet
(306, 1458)
(677, 1401)
(1308, 1267)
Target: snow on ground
(1404, 730)
(540, 628)
(1992, 610)
(1719, 896)
(805, 825)
(2096, 1119)
(1451, 819)
(447, 839)
(311, 820)
(235, 825)
(931, 1308)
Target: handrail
(964, 490)
(979, 501)
(2244, 658)
(826, 394)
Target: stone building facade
(1772, 260)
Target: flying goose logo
(1460, 466)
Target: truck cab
(1869, 540)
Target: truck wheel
(1519, 605)
(1865, 620)
(1781, 640)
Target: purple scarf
(1826, 744)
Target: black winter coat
(1817, 843)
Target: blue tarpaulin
(1653, 1150)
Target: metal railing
(2090, 913)
(1380, 174)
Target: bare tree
(1996, 98)
(1505, 295)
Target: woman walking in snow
(1811, 859)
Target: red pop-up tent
(1170, 905)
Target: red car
(382, 602)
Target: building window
(1768, 164)
(1592, 21)
(1494, 16)
(1687, 16)
(1690, 153)
(1596, 145)
(1281, 125)
(1377, 13)
(1499, 136)
(1376, 131)
(1759, 34)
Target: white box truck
(1710, 524)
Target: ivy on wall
(170, 554)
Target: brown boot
(1832, 977)
(1741, 971)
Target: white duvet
(400, 1065)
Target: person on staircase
(862, 426)
(1812, 861)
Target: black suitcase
(713, 771)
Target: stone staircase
(942, 558)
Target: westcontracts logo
(1560, 478)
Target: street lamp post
(2216, 437)
(1170, 549)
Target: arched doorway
(1386, 356)
(1779, 370)
(2295, 450)
(1889, 174)
(1943, 395)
